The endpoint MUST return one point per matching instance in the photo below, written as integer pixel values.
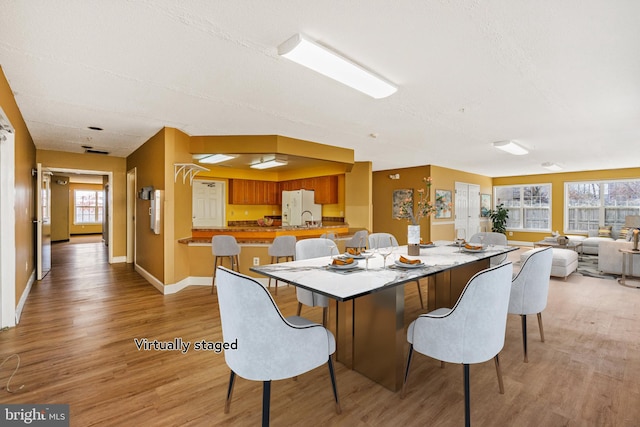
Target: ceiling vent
(93, 151)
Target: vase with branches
(424, 207)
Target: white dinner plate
(354, 264)
(347, 254)
(473, 250)
(427, 246)
(403, 265)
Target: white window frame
(601, 208)
(98, 218)
(523, 208)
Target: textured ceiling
(560, 77)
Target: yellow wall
(149, 161)
(25, 161)
(81, 228)
(358, 189)
(411, 178)
(557, 181)
(99, 163)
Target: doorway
(7, 224)
(467, 203)
(208, 208)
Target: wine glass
(460, 238)
(385, 251)
(367, 253)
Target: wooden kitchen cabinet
(251, 192)
(325, 188)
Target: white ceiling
(560, 77)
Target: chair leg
(266, 401)
(406, 372)
(235, 260)
(467, 398)
(442, 364)
(299, 309)
(499, 373)
(419, 294)
(524, 336)
(540, 326)
(213, 281)
(334, 386)
(227, 403)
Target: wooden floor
(76, 346)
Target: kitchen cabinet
(325, 188)
(251, 192)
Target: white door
(43, 222)
(131, 216)
(467, 208)
(208, 203)
(7, 225)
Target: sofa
(610, 258)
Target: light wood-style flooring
(76, 346)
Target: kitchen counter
(257, 234)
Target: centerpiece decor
(414, 214)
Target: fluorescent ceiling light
(269, 164)
(552, 166)
(511, 147)
(217, 158)
(305, 52)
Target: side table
(627, 253)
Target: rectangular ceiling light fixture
(216, 158)
(272, 163)
(552, 166)
(511, 147)
(302, 50)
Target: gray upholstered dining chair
(491, 238)
(358, 241)
(379, 240)
(314, 248)
(331, 236)
(530, 289)
(281, 247)
(222, 247)
(269, 347)
(473, 331)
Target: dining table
(367, 300)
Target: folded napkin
(472, 247)
(409, 261)
(346, 261)
(353, 251)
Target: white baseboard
(118, 259)
(184, 283)
(25, 294)
(150, 278)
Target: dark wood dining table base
(370, 330)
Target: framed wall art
(485, 205)
(399, 196)
(443, 204)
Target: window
(88, 206)
(529, 206)
(590, 205)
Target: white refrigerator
(298, 206)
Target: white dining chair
(473, 331)
(491, 238)
(281, 247)
(379, 240)
(314, 248)
(269, 347)
(224, 247)
(359, 240)
(530, 290)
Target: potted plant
(499, 217)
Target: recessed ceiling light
(511, 147)
(95, 128)
(302, 50)
(216, 158)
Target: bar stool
(282, 247)
(224, 246)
